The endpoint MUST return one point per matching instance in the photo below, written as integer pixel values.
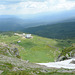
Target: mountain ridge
(15, 23)
(58, 31)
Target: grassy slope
(38, 49)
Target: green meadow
(38, 49)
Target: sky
(18, 7)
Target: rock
(61, 58)
(67, 53)
(72, 62)
(1, 71)
(27, 61)
(44, 71)
(15, 69)
(7, 50)
(16, 51)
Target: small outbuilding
(23, 34)
(18, 41)
(15, 33)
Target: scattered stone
(44, 71)
(15, 69)
(27, 61)
(66, 71)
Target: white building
(28, 36)
(23, 34)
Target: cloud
(2, 7)
(63, 5)
(36, 6)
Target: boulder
(72, 62)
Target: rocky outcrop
(9, 51)
(67, 53)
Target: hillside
(37, 49)
(20, 58)
(63, 30)
(12, 64)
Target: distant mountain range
(61, 30)
(19, 22)
(13, 23)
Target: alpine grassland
(37, 49)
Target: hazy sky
(18, 7)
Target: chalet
(28, 36)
